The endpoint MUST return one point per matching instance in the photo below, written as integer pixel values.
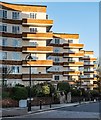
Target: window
(56, 77)
(70, 41)
(15, 69)
(33, 44)
(16, 43)
(4, 14)
(15, 56)
(15, 29)
(4, 55)
(69, 78)
(3, 28)
(4, 69)
(1, 13)
(46, 16)
(33, 15)
(34, 70)
(70, 60)
(56, 68)
(15, 15)
(4, 42)
(56, 59)
(57, 41)
(34, 56)
(56, 50)
(33, 29)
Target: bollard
(50, 105)
(40, 104)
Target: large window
(4, 69)
(70, 41)
(4, 55)
(56, 77)
(4, 42)
(16, 43)
(34, 56)
(57, 69)
(15, 29)
(33, 29)
(57, 41)
(33, 44)
(33, 15)
(16, 56)
(15, 69)
(56, 50)
(15, 15)
(56, 59)
(3, 28)
(3, 14)
(34, 70)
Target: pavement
(12, 112)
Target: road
(89, 111)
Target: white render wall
(40, 15)
(39, 29)
(62, 41)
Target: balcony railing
(46, 49)
(28, 35)
(38, 63)
(38, 22)
(47, 76)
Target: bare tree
(6, 70)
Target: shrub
(94, 93)
(19, 85)
(63, 87)
(46, 89)
(75, 92)
(19, 93)
(5, 94)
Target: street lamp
(80, 86)
(29, 58)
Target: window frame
(15, 15)
(15, 29)
(4, 43)
(57, 41)
(56, 77)
(3, 14)
(33, 15)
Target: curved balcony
(73, 64)
(47, 49)
(71, 72)
(39, 36)
(37, 22)
(40, 63)
(72, 45)
(39, 77)
(80, 54)
(89, 59)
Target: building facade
(26, 29)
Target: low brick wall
(35, 102)
(9, 103)
(44, 100)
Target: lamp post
(29, 58)
(80, 86)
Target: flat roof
(67, 33)
(23, 4)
